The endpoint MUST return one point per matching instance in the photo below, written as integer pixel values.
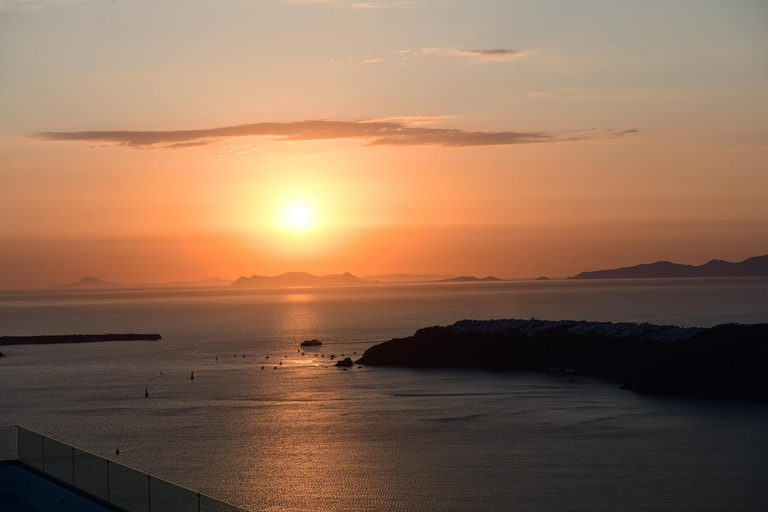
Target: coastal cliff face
(727, 360)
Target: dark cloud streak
(492, 54)
(374, 133)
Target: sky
(154, 141)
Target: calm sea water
(308, 436)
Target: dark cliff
(727, 360)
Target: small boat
(311, 343)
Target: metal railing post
(149, 492)
(43, 439)
(198, 502)
(73, 465)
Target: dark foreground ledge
(74, 338)
(727, 360)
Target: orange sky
(146, 143)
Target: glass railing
(102, 479)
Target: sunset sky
(152, 141)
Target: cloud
(357, 4)
(498, 54)
(494, 54)
(625, 132)
(31, 5)
(373, 133)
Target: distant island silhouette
(286, 279)
(406, 278)
(469, 279)
(96, 283)
(752, 267)
(87, 282)
(299, 279)
(726, 360)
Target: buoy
(192, 375)
(117, 451)
(146, 392)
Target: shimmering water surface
(308, 436)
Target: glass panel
(167, 497)
(30, 447)
(91, 474)
(8, 443)
(58, 460)
(211, 505)
(128, 488)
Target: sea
(267, 425)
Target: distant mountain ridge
(406, 278)
(469, 279)
(756, 266)
(298, 279)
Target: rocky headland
(727, 360)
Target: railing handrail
(112, 461)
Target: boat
(311, 343)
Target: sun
(298, 217)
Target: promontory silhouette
(726, 360)
(752, 267)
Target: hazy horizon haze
(154, 142)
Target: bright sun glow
(298, 217)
